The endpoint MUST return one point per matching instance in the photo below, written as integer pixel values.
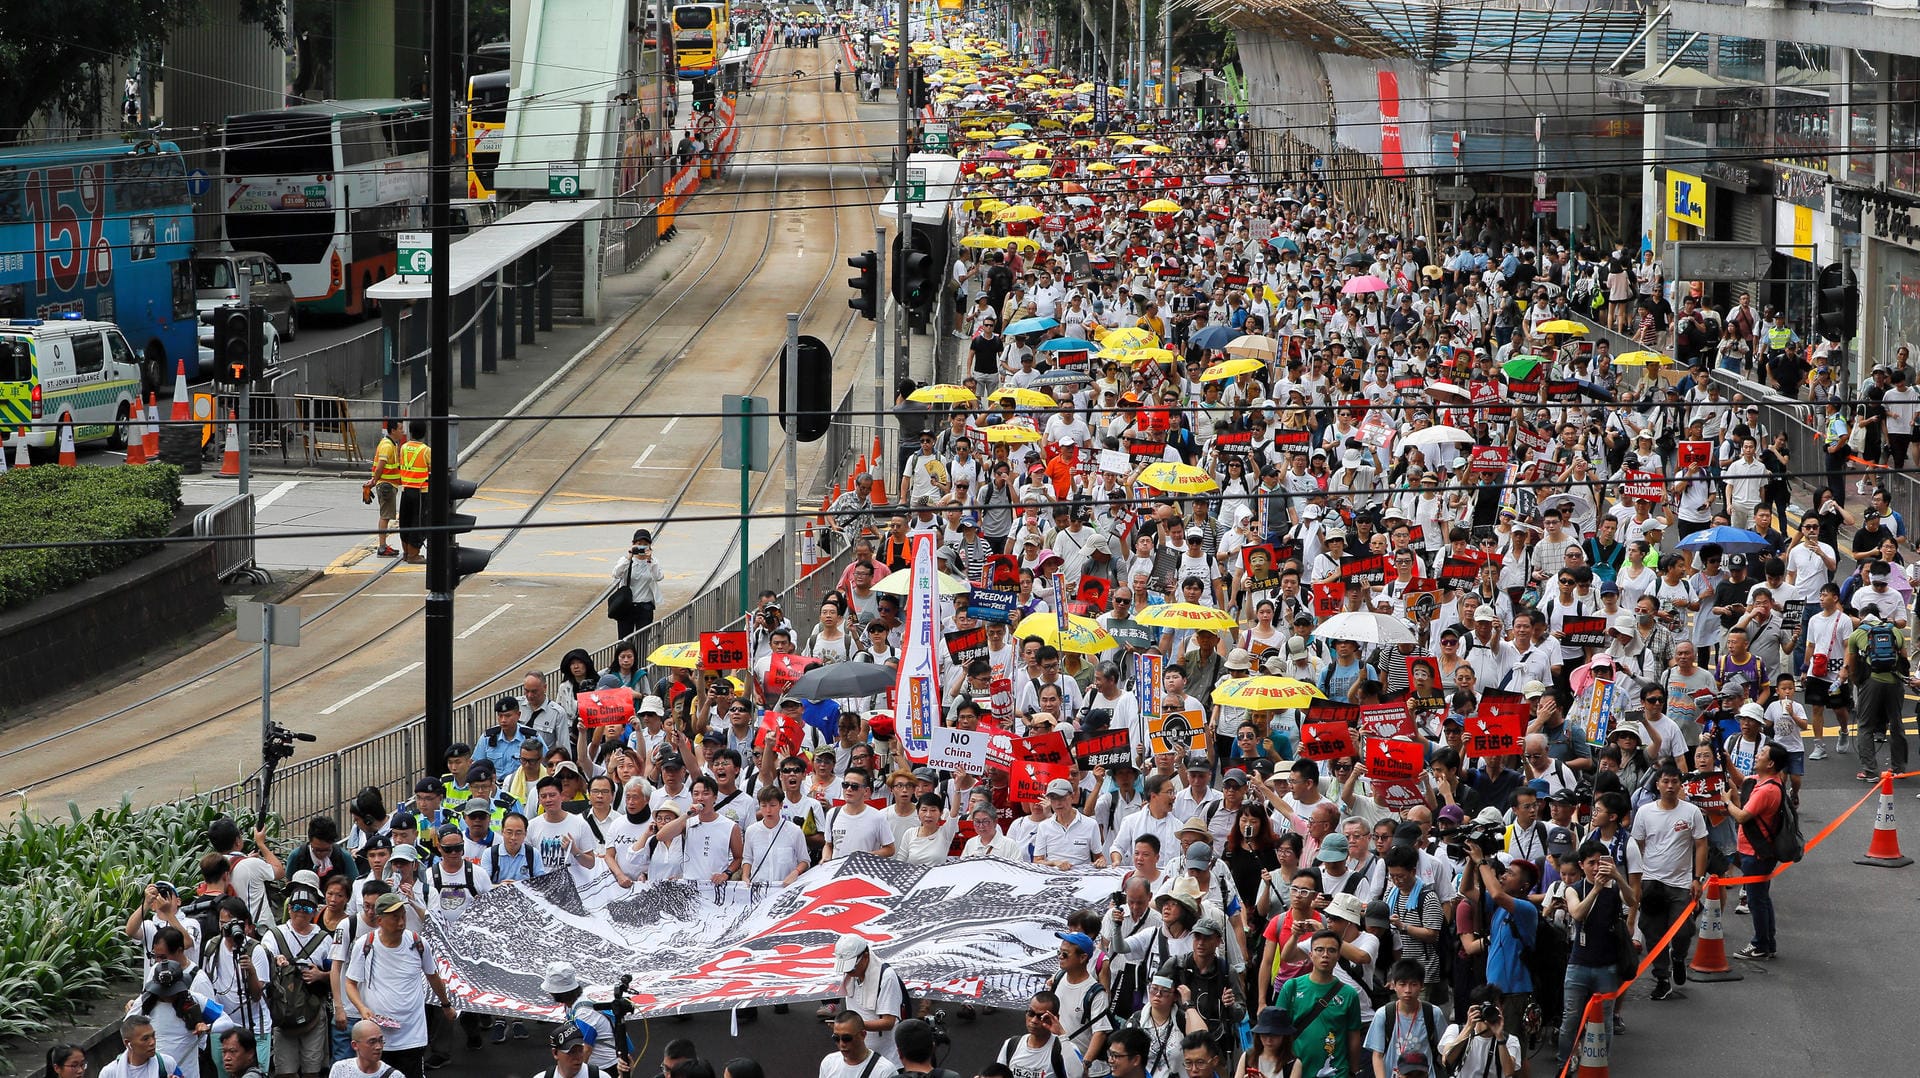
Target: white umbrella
(1437, 388)
(1441, 435)
(900, 582)
(1362, 627)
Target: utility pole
(902, 227)
(1169, 97)
(440, 566)
(880, 333)
(1140, 55)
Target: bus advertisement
(325, 190)
(102, 230)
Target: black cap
(428, 786)
(672, 759)
(479, 771)
(505, 704)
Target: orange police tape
(1595, 1004)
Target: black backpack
(1005, 1057)
(295, 1004)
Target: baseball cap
(405, 851)
(1559, 840)
(1210, 926)
(1451, 814)
(1079, 939)
(846, 954)
(389, 903)
(1533, 690)
(1348, 908)
(1059, 788)
(476, 806)
(567, 1038)
(1197, 762)
(1199, 855)
(1234, 777)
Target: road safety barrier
(326, 426)
(1589, 1057)
(230, 525)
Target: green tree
(50, 51)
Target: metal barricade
(230, 526)
(270, 409)
(349, 367)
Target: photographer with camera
(636, 586)
(159, 909)
(1481, 1045)
(301, 987)
(238, 970)
(1602, 908)
(1512, 924)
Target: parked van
(49, 366)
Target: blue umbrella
(1030, 325)
(1067, 344)
(1007, 143)
(1731, 540)
(1213, 338)
(1063, 376)
(1284, 243)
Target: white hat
(1310, 511)
(1350, 459)
(1490, 815)
(1751, 710)
(652, 705)
(1485, 613)
(560, 978)
(1059, 788)
(1623, 623)
(1533, 690)
(1348, 908)
(846, 954)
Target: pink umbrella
(1365, 282)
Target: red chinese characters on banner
(1393, 771)
(1036, 762)
(1496, 728)
(1328, 597)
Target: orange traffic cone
(1884, 849)
(1595, 1042)
(68, 457)
(875, 455)
(20, 458)
(152, 437)
(230, 463)
(182, 410)
(878, 496)
(858, 469)
(825, 502)
(809, 551)
(136, 435)
(1710, 951)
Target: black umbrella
(1357, 258)
(842, 679)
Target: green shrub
(66, 888)
(54, 505)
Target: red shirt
(1763, 803)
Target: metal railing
(347, 368)
(230, 526)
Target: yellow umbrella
(1124, 140)
(1032, 172)
(1253, 345)
(1008, 132)
(900, 582)
(1083, 118)
(1011, 433)
(1102, 166)
(1161, 205)
(1187, 616)
(1117, 354)
(1115, 91)
(942, 393)
(1265, 693)
(1230, 368)
(1154, 147)
(1051, 124)
(1084, 636)
(1019, 213)
(945, 98)
(1158, 355)
(992, 205)
(980, 241)
(988, 170)
(1641, 359)
(1174, 478)
(1129, 337)
(685, 656)
(1021, 398)
(1561, 325)
(979, 135)
(1035, 80)
(1030, 149)
(1023, 243)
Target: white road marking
(642, 462)
(274, 495)
(668, 429)
(482, 623)
(396, 675)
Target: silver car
(218, 280)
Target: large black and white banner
(977, 930)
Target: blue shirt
(1505, 968)
(501, 751)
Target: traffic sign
(1455, 193)
(936, 138)
(416, 254)
(1540, 185)
(916, 185)
(563, 180)
(197, 182)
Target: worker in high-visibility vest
(415, 459)
(383, 486)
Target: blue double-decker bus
(103, 230)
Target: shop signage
(1800, 187)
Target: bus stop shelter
(500, 282)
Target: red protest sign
(1648, 485)
(605, 707)
(1325, 740)
(1496, 728)
(1693, 454)
(1328, 597)
(1001, 569)
(1386, 720)
(784, 670)
(1036, 762)
(1394, 760)
(786, 733)
(1488, 458)
(723, 651)
(1000, 700)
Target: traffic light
(1839, 303)
(239, 344)
(466, 560)
(814, 409)
(917, 95)
(916, 277)
(866, 287)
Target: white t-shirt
(189, 928)
(250, 878)
(160, 1066)
(929, 850)
(1781, 716)
(1026, 1061)
(454, 891)
(772, 852)
(393, 984)
(1666, 837)
(709, 847)
(876, 996)
(835, 1065)
(549, 840)
(863, 832)
(350, 1068)
(1480, 1057)
(1083, 1017)
(1075, 841)
(224, 974)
